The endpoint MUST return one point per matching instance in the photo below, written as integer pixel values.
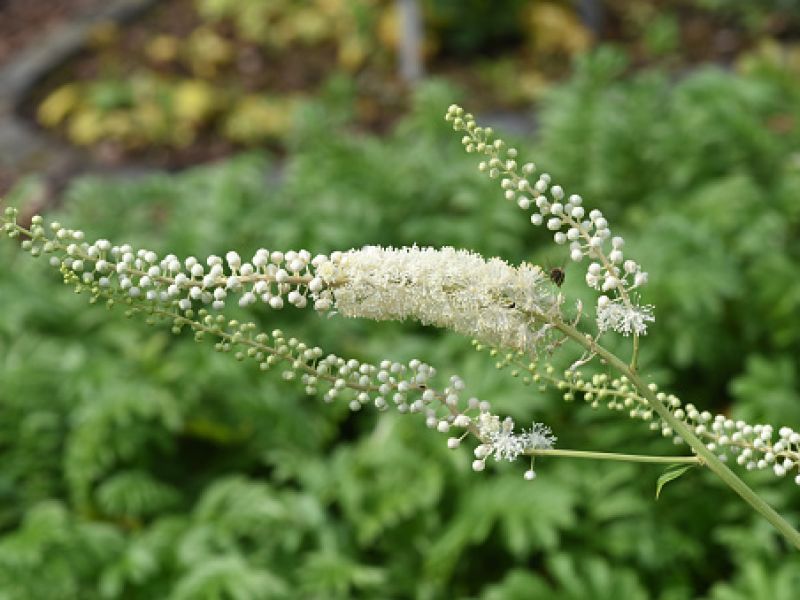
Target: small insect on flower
(557, 276)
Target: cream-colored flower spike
(488, 300)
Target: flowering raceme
(489, 301)
(586, 234)
(516, 312)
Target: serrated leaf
(672, 472)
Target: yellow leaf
(556, 29)
(103, 34)
(254, 119)
(85, 127)
(193, 101)
(207, 51)
(149, 116)
(60, 103)
(331, 8)
(352, 53)
(309, 26)
(117, 125)
(532, 85)
(162, 48)
(389, 27)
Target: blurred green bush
(140, 465)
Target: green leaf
(672, 472)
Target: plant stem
(634, 366)
(705, 455)
(641, 458)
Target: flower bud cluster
(752, 446)
(273, 278)
(405, 386)
(146, 284)
(455, 289)
(585, 233)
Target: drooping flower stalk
(458, 290)
(753, 446)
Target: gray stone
(23, 147)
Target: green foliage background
(136, 464)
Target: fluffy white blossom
(504, 444)
(539, 437)
(616, 315)
(485, 299)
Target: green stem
(640, 458)
(634, 366)
(707, 457)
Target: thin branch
(640, 458)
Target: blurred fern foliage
(137, 464)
